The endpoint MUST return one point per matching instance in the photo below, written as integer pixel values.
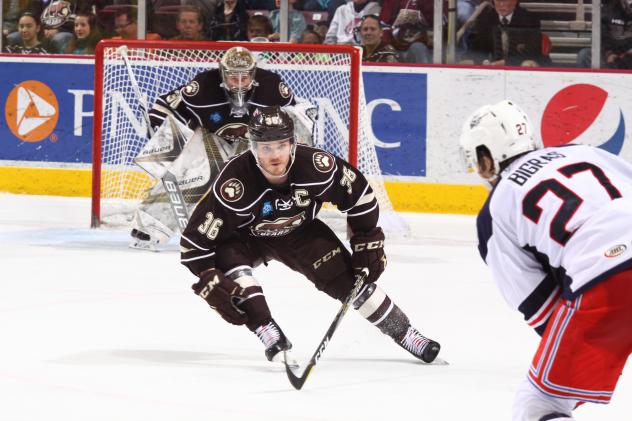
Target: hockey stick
(169, 181)
(299, 381)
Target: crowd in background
(491, 32)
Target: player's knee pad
(532, 405)
(254, 302)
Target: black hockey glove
(221, 293)
(368, 252)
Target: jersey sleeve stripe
(351, 215)
(359, 199)
(252, 218)
(194, 244)
(367, 198)
(204, 256)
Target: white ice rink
(91, 330)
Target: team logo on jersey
(284, 205)
(323, 161)
(31, 111)
(232, 190)
(191, 89)
(216, 117)
(174, 99)
(233, 132)
(616, 251)
(278, 227)
(284, 90)
(267, 209)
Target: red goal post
(328, 76)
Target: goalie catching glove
(221, 294)
(368, 252)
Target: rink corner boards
(406, 196)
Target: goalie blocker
(263, 206)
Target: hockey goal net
(327, 76)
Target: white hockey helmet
(503, 128)
(237, 68)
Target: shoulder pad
(203, 89)
(238, 186)
(314, 163)
(272, 90)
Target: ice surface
(91, 330)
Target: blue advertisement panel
(397, 107)
(48, 114)
(47, 111)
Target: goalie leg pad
(146, 223)
(253, 303)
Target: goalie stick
(299, 381)
(169, 181)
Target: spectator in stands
(373, 47)
(11, 12)
(310, 36)
(259, 4)
(506, 34)
(329, 6)
(86, 34)
(407, 25)
(321, 29)
(296, 22)
(190, 24)
(347, 18)
(29, 28)
(57, 19)
(259, 28)
(616, 37)
(208, 8)
(125, 25)
(464, 9)
(229, 23)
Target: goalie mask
(237, 69)
(272, 142)
(503, 128)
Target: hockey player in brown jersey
(263, 206)
(216, 105)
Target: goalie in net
(202, 124)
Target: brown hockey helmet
(269, 124)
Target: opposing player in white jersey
(556, 232)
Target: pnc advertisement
(415, 113)
(47, 111)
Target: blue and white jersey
(558, 221)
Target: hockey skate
(421, 347)
(276, 343)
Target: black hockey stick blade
(299, 381)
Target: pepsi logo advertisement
(574, 113)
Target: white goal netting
(322, 76)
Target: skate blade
(286, 357)
(438, 361)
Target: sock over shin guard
(254, 304)
(375, 306)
